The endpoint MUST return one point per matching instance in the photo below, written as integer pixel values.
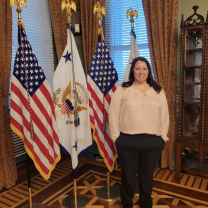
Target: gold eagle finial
(19, 10)
(132, 13)
(18, 3)
(66, 4)
(100, 11)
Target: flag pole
(108, 192)
(134, 52)
(29, 181)
(77, 200)
(132, 14)
(30, 205)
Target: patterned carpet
(90, 178)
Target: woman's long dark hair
(150, 79)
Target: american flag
(102, 81)
(32, 105)
(67, 106)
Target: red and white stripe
(44, 148)
(106, 147)
(65, 108)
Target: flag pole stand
(108, 193)
(31, 205)
(75, 200)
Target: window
(37, 21)
(117, 29)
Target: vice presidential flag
(71, 103)
(32, 112)
(102, 81)
(133, 54)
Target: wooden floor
(191, 192)
(187, 180)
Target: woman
(139, 122)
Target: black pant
(138, 153)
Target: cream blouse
(133, 111)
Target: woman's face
(140, 72)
